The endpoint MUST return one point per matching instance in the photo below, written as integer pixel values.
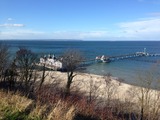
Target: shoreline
(86, 83)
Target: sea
(127, 70)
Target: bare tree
(71, 62)
(11, 74)
(44, 75)
(146, 99)
(4, 59)
(25, 60)
(94, 90)
(110, 88)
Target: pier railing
(126, 56)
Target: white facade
(51, 62)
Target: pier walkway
(108, 59)
(134, 55)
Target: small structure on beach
(51, 62)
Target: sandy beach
(86, 83)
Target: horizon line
(68, 40)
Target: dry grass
(61, 111)
(12, 103)
(38, 112)
(50, 104)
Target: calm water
(125, 69)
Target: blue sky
(80, 19)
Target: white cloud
(155, 14)
(80, 35)
(10, 19)
(22, 34)
(11, 25)
(141, 29)
(93, 34)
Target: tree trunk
(142, 113)
(69, 82)
(142, 104)
(68, 87)
(43, 76)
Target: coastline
(125, 69)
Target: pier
(55, 64)
(108, 59)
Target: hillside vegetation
(27, 94)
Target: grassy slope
(16, 106)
